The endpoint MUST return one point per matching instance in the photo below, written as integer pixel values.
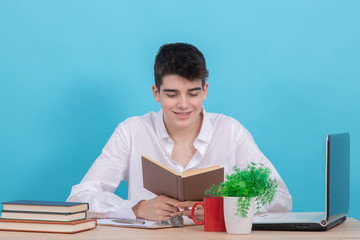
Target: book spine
(180, 189)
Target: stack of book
(45, 216)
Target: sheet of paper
(146, 224)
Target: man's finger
(166, 207)
(187, 204)
(168, 200)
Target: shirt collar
(205, 133)
(160, 126)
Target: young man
(181, 136)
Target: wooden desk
(348, 230)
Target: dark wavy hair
(182, 59)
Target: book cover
(45, 206)
(50, 227)
(43, 216)
(187, 186)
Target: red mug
(213, 214)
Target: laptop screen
(338, 175)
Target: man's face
(181, 101)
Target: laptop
(337, 194)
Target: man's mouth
(182, 114)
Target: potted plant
(241, 190)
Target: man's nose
(182, 102)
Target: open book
(187, 186)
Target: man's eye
(171, 95)
(193, 94)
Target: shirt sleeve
(103, 178)
(246, 152)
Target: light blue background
(70, 71)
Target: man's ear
(205, 90)
(156, 93)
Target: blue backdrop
(70, 71)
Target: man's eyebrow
(189, 90)
(194, 89)
(170, 90)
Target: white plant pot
(236, 224)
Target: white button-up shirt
(222, 141)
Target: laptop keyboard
(287, 216)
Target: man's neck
(185, 134)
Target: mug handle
(192, 213)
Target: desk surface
(348, 230)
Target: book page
(199, 171)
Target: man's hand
(159, 208)
(186, 206)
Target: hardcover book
(39, 216)
(45, 206)
(187, 186)
(44, 226)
